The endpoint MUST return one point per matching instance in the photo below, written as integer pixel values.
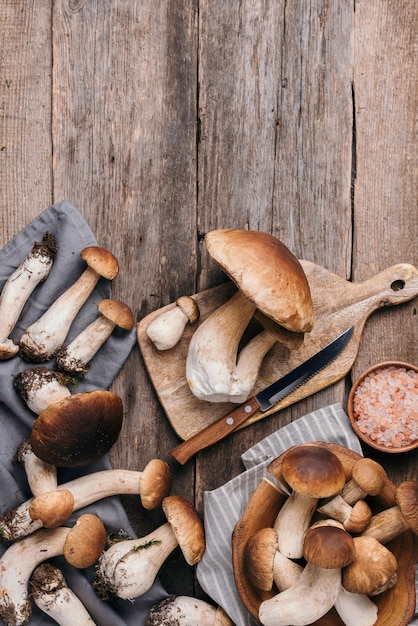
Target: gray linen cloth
(72, 235)
(223, 507)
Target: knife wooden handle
(214, 432)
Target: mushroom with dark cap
(269, 278)
(312, 472)
(326, 549)
(78, 430)
(166, 330)
(75, 357)
(186, 611)
(40, 341)
(33, 270)
(368, 478)
(128, 568)
(373, 571)
(395, 520)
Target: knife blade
(262, 401)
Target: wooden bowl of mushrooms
(339, 548)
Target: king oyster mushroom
(33, 270)
(76, 356)
(40, 341)
(269, 278)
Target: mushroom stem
(248, 365)
(292, 521)
(40, 341)
(368, 478)
(41, 476)
(354, 518)
(39, 387)
(52, 595)
(166, 330)
(34, 269)
(90, 488)
(76, 356)
(186, 611)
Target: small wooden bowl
(396, 606)
(378, 445)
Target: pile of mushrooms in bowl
(311, 554)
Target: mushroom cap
(154, 483)
(373, 570)
(259, 553)
(369, 475)
(313, 470)
(267, 273)
(78, 430)
(117, 312)
(360, 517)
(53, 508)
(85, 541)
(101, 261)
(407, 500)
(189, 307)
(328, 546)
(187, 527)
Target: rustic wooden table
(163, 120)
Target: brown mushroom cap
(53, 508)
(154, 483)
(78, 430)
(187, 526)
(369, 475)
(328, 546)
(101, 261)
(267, 273)
(85, 542)
(313, 470)
(259, 553)
(407, 500)
(373, 570)
(117, 312)
(189, 307)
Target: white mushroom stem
(355, 609)
(248, 365)
(52, 595)
(128, 568)
(86, 489)
(212, 354)
(34, 269)
(39, 387)
(386, 525)
(76, 356)
(292, 521)
(354, 518)
(16, 567)
(187, 611)
(313, 596)
(166, 330)
(41, 476)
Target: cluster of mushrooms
(327, 548)
(73, 430)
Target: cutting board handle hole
(397, 285)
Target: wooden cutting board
(338, 304)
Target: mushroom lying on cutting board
(166, 330)
(40, 341)
(269, 278)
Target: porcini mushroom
(166, 330)
(326, 549)
(186, 611)
(395, 520)
(75, 357)
(52, 508)
(368, 478)
(33, 270)
(373, 570)
(52, 595)
(39, 387)
(269, 278)
(312, 472)
(21, 558)
(354, 518)
(128, 568)
(152, 485)
(41, 339)
(41, 476)
(79, 429)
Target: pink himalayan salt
(386, 406)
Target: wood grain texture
(161, 121)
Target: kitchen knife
(262, 401)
